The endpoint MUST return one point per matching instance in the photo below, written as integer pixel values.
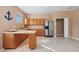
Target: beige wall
(74, 15)
(6, 25)
(60, 15)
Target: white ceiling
(44, 9)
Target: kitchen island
(14, 39)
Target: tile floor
(49, 44)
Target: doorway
(59, 27)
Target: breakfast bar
(14, 39)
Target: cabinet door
(42, 21)
(8, 41)
(18, 38)
(39, 21)
(24, 36)
(31, 21)
(40, 32)
(32, 41)
(34, 21)
(26, 21)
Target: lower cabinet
(40, 32)
(32, 41)
(13, 40)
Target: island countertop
(22, 31)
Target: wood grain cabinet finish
(18, 39)
(37, 21)
(26, 22)
(40, 32)
(32, 41)
(42, 21)
(13, 40)
(8, 41)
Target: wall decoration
(18, 18)
(8, 16)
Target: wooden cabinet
(42, 21)
(32, 41)
(13, 40)
(37, 21)
(31, 22)
(8, 41)
(40, 32)
(18, 39)
(26, 21)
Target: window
(18, 18)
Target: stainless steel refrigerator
(49, 27)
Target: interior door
(60, 27)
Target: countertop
(22, 31)
(35, 27)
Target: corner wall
(74, 14)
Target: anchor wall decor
(8, 16)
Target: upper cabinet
(37, 21)
(26, 21)
(34, 21)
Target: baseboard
(48, 36)
(74, 37)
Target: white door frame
(66, 28)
